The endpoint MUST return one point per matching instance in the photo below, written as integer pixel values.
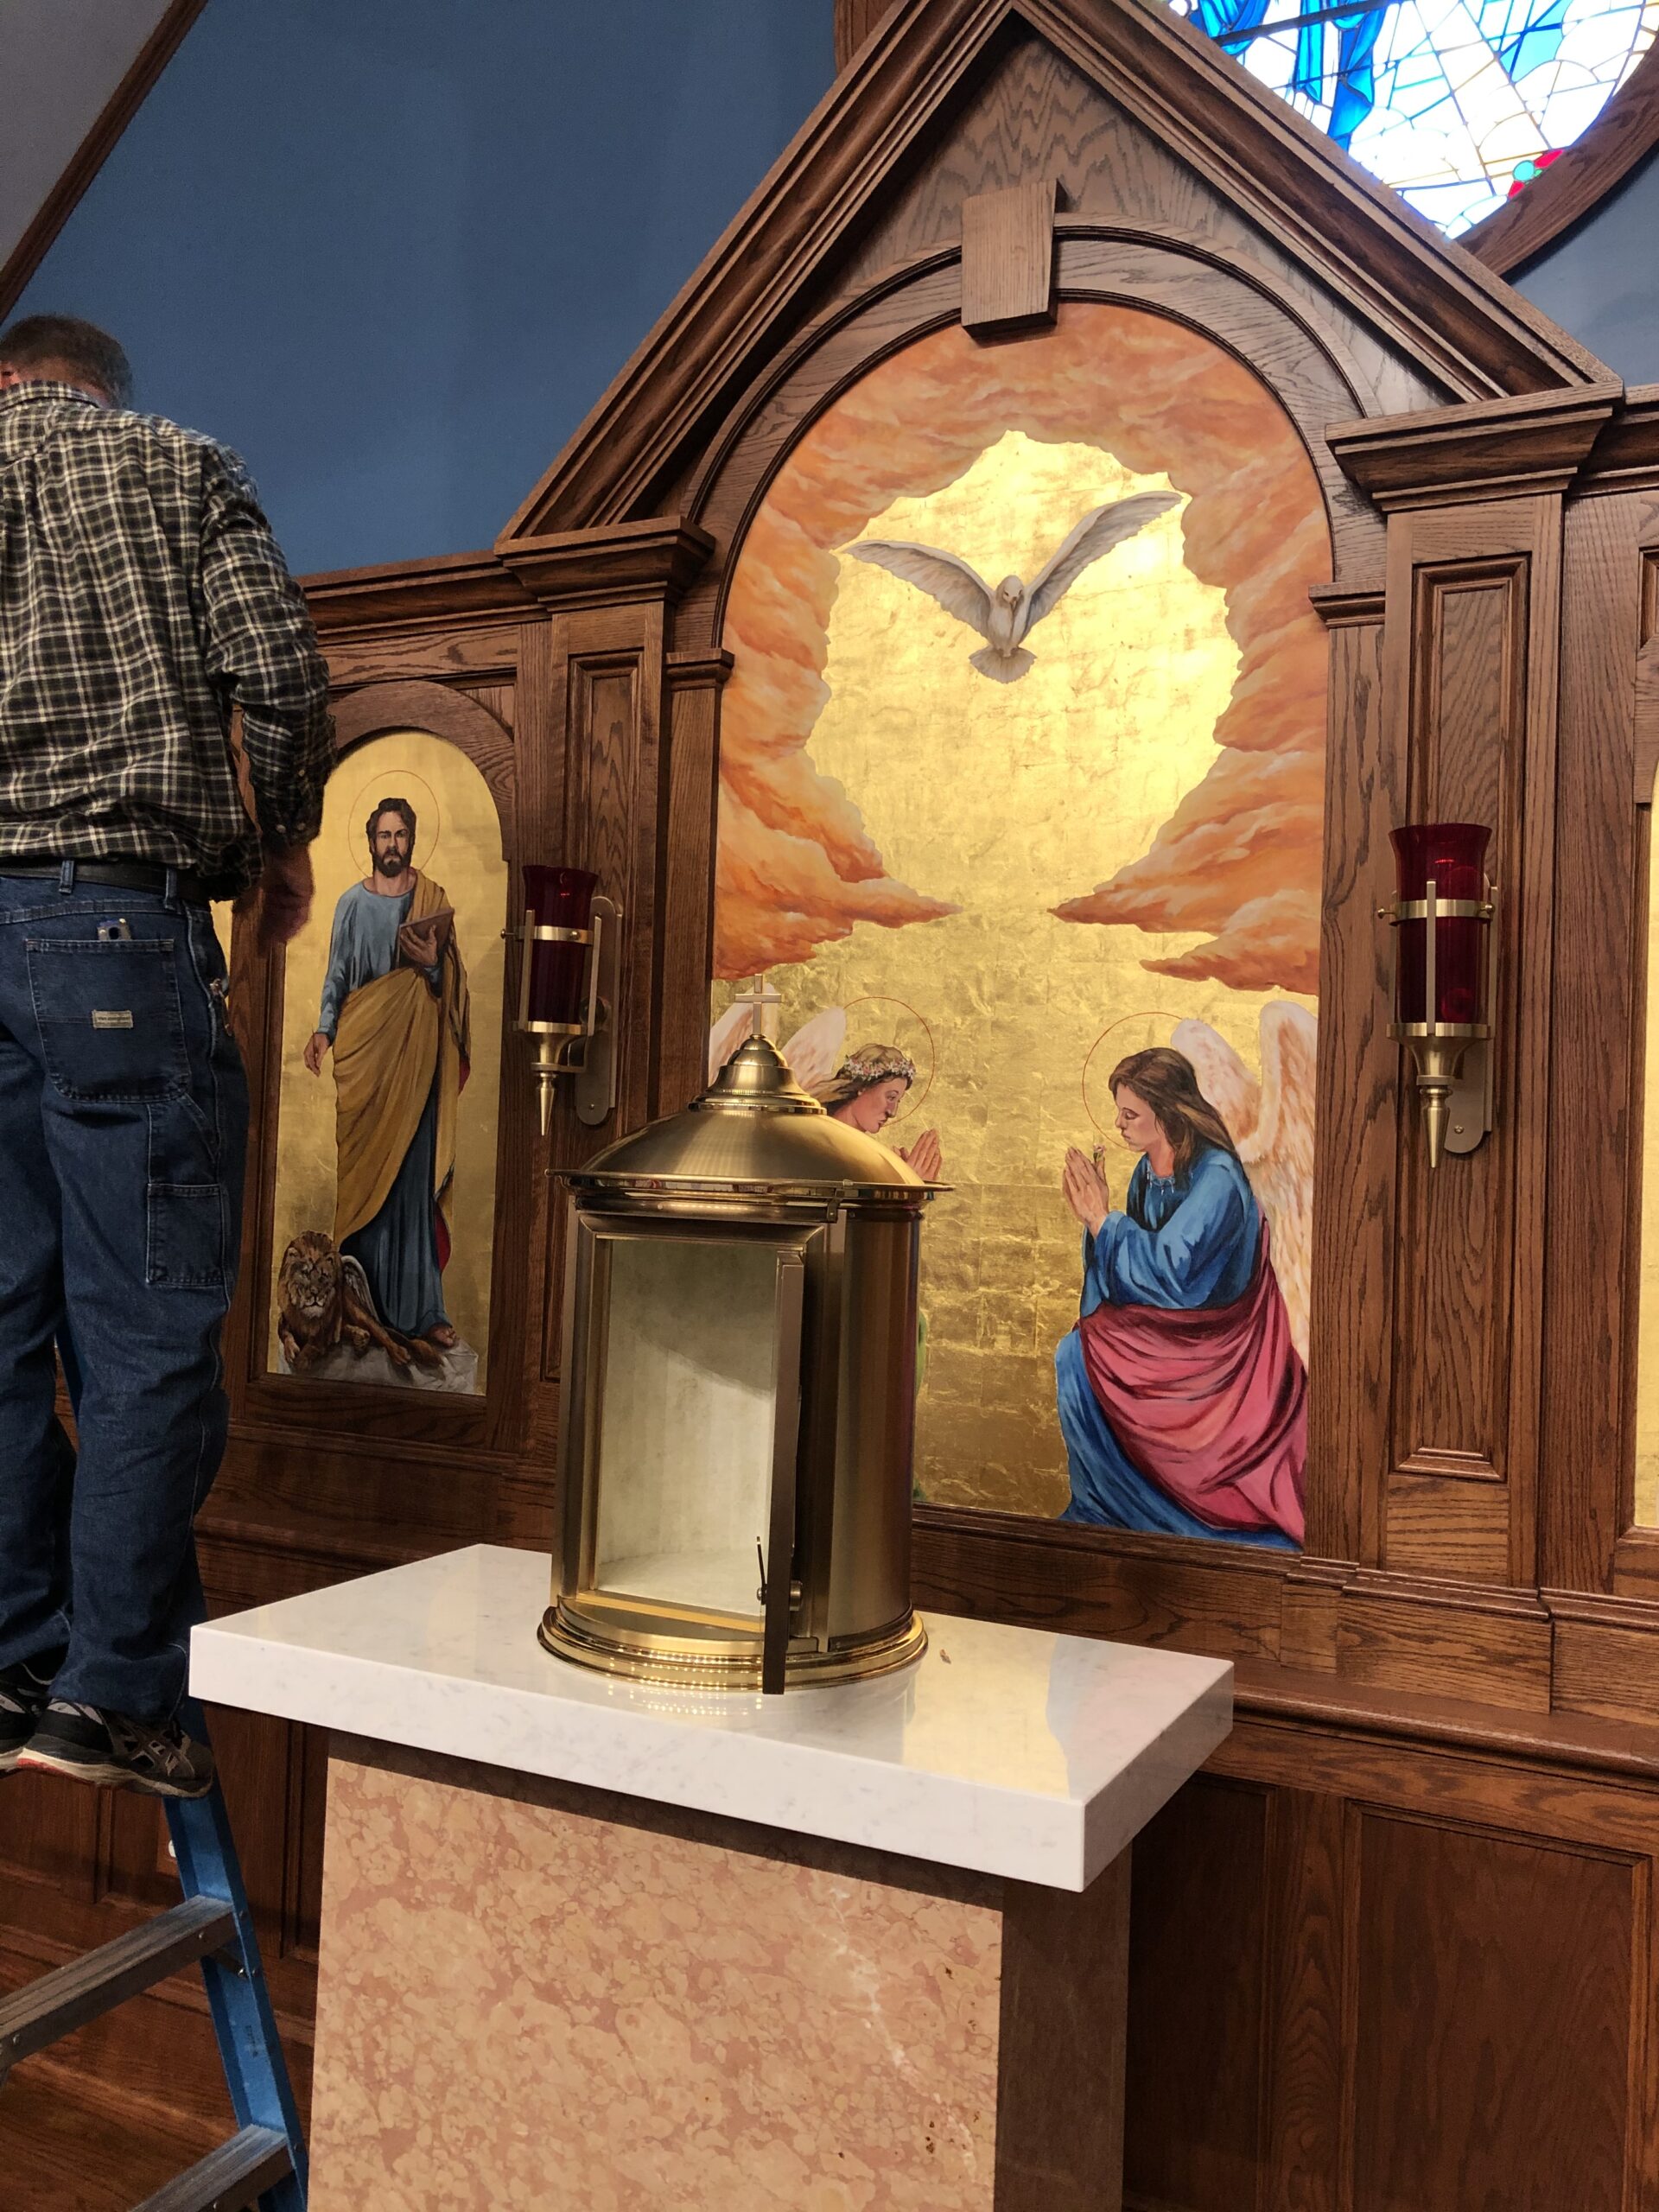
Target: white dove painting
(1006, 616)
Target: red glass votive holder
(1451, 856)
(557, 898)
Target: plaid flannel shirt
(141, 597)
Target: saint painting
(378, 1136)
(394, 1014)
(1183, 1399)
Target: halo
(396, 783)
(913, 1096)
(1152, 1014)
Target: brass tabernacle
(740, 1379)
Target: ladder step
(60, 2002)
(229, 2177)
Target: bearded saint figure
(395, 1015)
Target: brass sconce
(571, 941)
(1446, 955)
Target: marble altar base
(529, 1992)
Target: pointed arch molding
(1219, 136)
(1314, 377)
(1622, 135)
(465, 722)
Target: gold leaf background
(917, 786)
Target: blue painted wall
(393, 249)
(1601, 280)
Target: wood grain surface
(1396, 1948)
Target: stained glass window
(1456, 104)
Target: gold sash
(393, 1036)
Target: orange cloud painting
(1239, 859)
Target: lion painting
(322, 1301)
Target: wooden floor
(59, 2154)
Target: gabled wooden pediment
(1151, 137)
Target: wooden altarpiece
(1424, 1968)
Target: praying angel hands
(1087, 1191)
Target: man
(141, 600)
(395, 1015)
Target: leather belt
(119, 876)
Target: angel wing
(817, 1048)
(728, 1033)
(961, 591)
(1271, 1121)
(1100, 529)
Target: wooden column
(596, 731)
(1444, 1445)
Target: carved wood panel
(1492, 1990)
(1198, 1983)
(1353, 1223)
(1469, 630)
(1470, 671)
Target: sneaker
(22, 1700)
(156, 1757)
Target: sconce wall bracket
(586, 1049)
(1453, 1059)
(596, 1077)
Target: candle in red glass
(560, 898)
(1451, 855)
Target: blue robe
(1181, 1241)
(398, 1249)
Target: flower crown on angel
(876, 1064)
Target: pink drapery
(1210, 1404)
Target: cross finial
(763, 999)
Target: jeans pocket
(186, 1245)
(109, 1016)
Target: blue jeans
(123, 1119)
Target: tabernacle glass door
(695, 1380)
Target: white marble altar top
(1005, 1750)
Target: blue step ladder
(263, 2162)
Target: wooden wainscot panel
(1310, 1611)
(1353, 1220)
(1449, 1523)
(1307, 1870)
(1492, 1984)
(1098, 1582)
(1198, 1967)
(1060, 2041)
(1468, 625)
(1606, 1657)
(1490, 1646)
(1587, 1448)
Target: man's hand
(284, 896)
(925, 1156)
(1086, 1190)
(316, 1046)
(420, 943)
